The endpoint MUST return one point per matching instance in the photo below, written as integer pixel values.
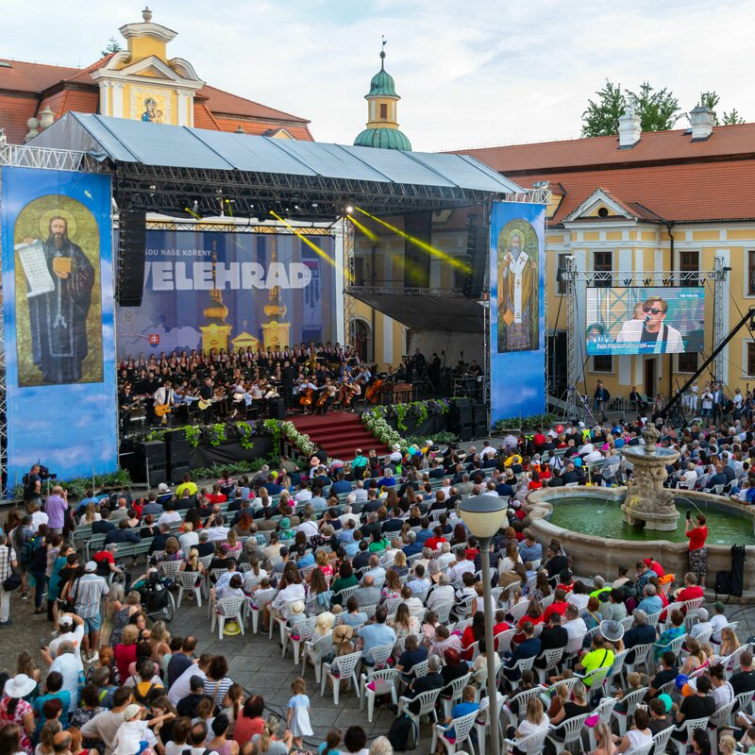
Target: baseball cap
(719, 606)
(132, 711)
(91, 567)
(66, 621)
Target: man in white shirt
(447, 557)
(443, 593)
(575, 627)
(456, 572)
(305, 494)
(703, 624)
(360, 494)
(169, 516)
(71, 629)
(69, 666)
(718, 621)
(182, 686)
(347, 515)
(216, 529)
(487, 450)
(375, 571)
(308, 527)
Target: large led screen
(644, 320)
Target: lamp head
(484, 515)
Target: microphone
(647, 318)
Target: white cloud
(470, 74)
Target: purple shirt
(55, 510)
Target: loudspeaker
(177, 474)
(277, 408)
(179, 453)
(153, 452)
(132, 240)
(477, 259)
(461, 417)
(480, 420)
(465, 434)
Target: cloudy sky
(470, 73)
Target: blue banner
(206, 290)
(517, 310)
(58, 308)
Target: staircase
(339, 433)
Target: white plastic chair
(462, 727)
(444, 611)
(227, 609)
(661, 739)
(552, 658)
(315, 650)
(523, 664)
(630, 701)
(643, 750)
(463, 608)
(426, 702)
(519, 701)
(642, 654)
(483, 723)
(297, 634)
(259, 601)
(451, 693)
(384, 683)
(342, 668)
(169, 569)
(531, 745)
(603, 711)
(189, 581)
(687, 728)
(570, 731)
(503, 640)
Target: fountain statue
(647, 501)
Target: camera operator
(33, 485)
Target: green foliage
(78, 486)
(602, 116)
(245, 437)
(732, 118)
(658, 109)
(193, 435)
(112, 46)
(527, 423)
(438, 438)
(238, 467)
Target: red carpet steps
(339, 433)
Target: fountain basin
(605, 545)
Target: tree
(658, 110)
(732, 118)
(602, 117)
(112, 46)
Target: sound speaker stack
(178, 455)
(477, 259)
(461, 419)
(151, 462)
(132, 241)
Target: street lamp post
(484, 515)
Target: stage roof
(174, 157)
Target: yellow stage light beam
(191, 212)
(229, 206)
(371, 235)
(348, 277)
(419, 243)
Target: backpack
(399, 733)
(138, 697)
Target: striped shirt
(88, 591)
(7, 555)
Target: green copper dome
(382, 84)
(383, 138)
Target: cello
(373, 392)
(305, 398)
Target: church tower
(382, 122)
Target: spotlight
(349, 209)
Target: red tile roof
(726, 141)
(15, 110)
(230, 104)
(203, 118)
(32, 77)
(665, 174)
(687, 192)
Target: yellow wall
(143, 47)
(647, 248)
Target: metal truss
(165, 188)
(349, 302)
(43, 158)
(639, 279)
(238, 227)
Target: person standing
(87, 593)
(8, 563)
(698, 552)
(55, 508)
(602, 397)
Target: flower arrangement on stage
(420, 410)
(295, 438)
(376, 423)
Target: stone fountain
(647, 501)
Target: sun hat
(297, 606)
(163, 487)
(342, 632)
(611, 630)
(285, 523)
(91, 567)
(231, 629)
(19, 686)
(131, 712)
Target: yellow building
(660, 209)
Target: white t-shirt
(168, 517)
(69, 666)
(182, 686)
(75, 637)
(129, 735)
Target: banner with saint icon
(58, 309)
(517, 309)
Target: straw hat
(342, 633)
